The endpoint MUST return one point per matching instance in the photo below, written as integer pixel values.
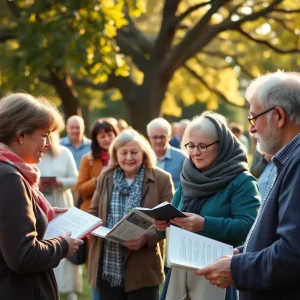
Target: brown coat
(90, 168)
(144, 267)
(26, 261)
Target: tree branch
(266, 43)
(287, 11)
(167, 31)
(127, 48)
(135, 37)
(201, 32)
(228, 24)
(15, 10)
(212, 89)
(282, 23)
(189, 11)
(7, 33)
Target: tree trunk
(65, 89)
(146, 101)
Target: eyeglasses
(200, 148)
(252, 120)
(158, 137)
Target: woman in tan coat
(134, 269)
(92, 163)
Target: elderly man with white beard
(267, 267)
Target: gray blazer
(270, 269)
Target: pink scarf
(30, 174)
(104, 156)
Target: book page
(74, 220)
(131, 227)
(193, 251)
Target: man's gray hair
(159, 123)
(277, 89)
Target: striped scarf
(30, 174)
(124, 198)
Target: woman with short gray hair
(217, 194)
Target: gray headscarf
(230, 162)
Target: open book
(138, 222)
(190, 250)
(74, 220)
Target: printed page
(131, 227)
(193, 251)
(74, 220)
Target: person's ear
(280, 116)
(20, 138)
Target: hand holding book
(192, 222)
(72, 243)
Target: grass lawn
(86, 293)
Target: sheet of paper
(193, 250)
(76, 221)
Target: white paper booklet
(74, 220)
(192, 251)
(131, 227)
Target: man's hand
(236, 251)
(218, 273)
(135, 244)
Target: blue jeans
(95, 294)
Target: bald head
(75, 129)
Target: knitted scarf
(31, 176)
(124, 198)
(231, 160)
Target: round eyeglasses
(200, 148)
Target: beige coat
(144, 267)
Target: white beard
(270, 143)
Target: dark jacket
(270, 269)
(26, 261)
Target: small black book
(163, 211)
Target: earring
(21, 142)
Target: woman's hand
(58, 211)
(160, 225)
(135, 244)
(72, 243)
(192, 222)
